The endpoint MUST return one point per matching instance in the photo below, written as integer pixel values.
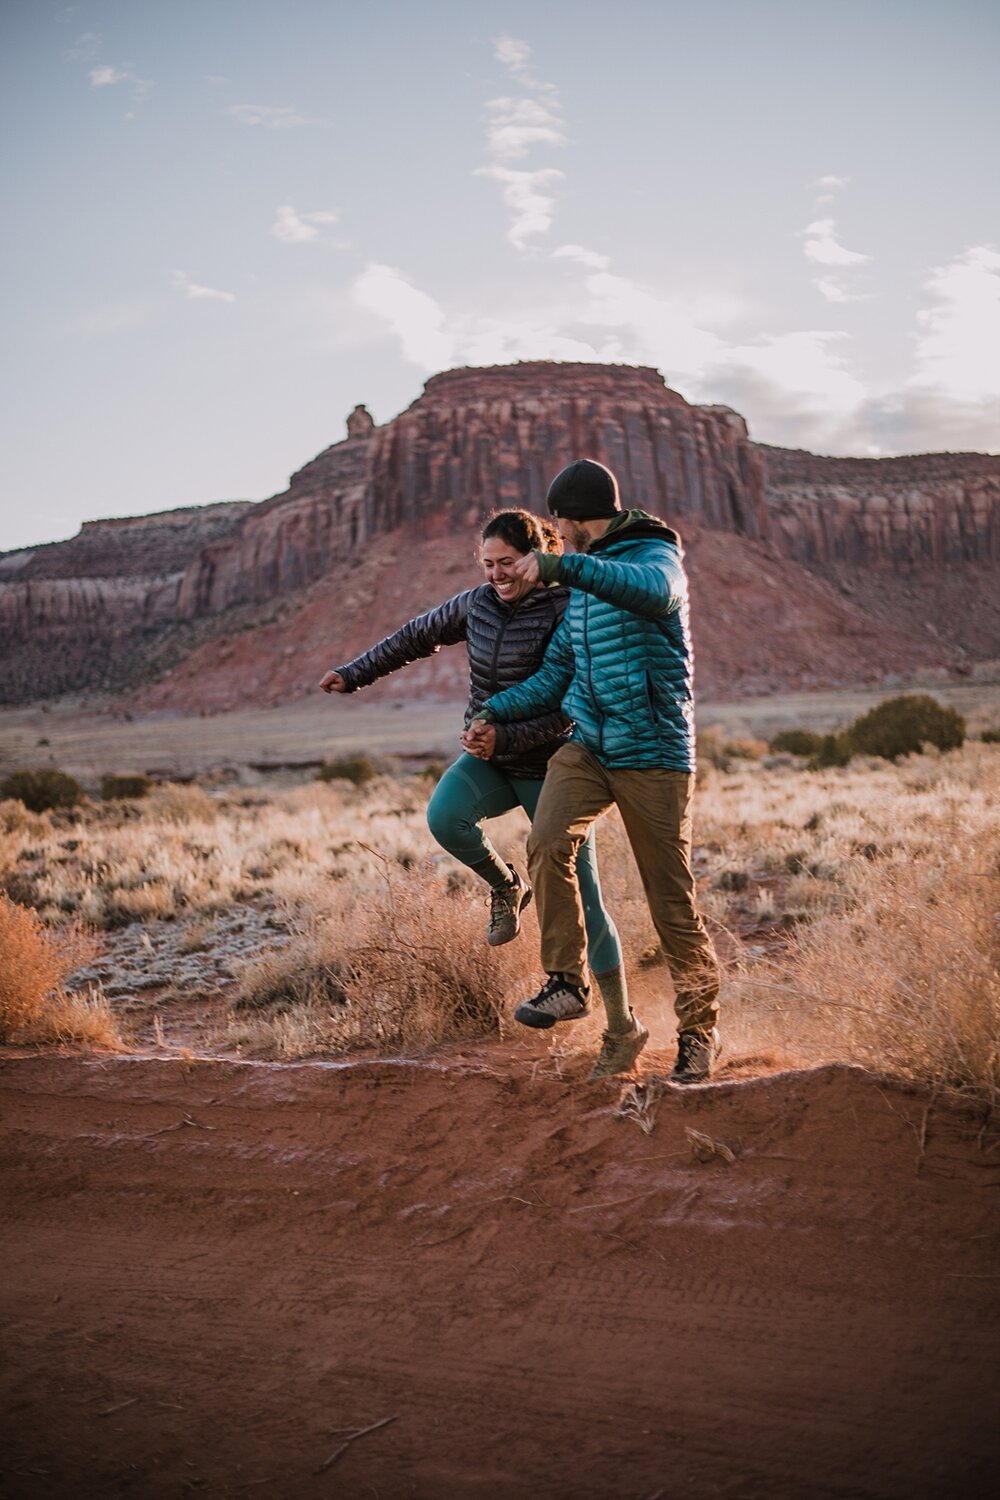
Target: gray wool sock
(614, 992)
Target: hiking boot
(557, 1000)
(506, 905)
(619, 1050)
(697, 1054)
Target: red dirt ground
(215, 1271)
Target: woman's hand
(480, 739)
(333, 683)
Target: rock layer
(898, 514)
(122, 597)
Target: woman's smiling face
(499, 558)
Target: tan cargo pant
(655, 806)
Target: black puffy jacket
(506, 643)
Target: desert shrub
(796, 742)
(899, 726)
(990, 736)
(44, 790)
(34, 1007)
(744, 749)
(398, 965)
(115, 787)
(357, 769)
(311, 973)
(834, 750)
(903, 978)
(15, 818)
(711, 749)
(175, 802)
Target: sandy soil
(217, 1271)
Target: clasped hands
(480, 739)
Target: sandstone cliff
(126, 599)
(904, 515)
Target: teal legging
(472, 790)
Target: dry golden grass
(904, 980)
(398, 963)
(34, 1007)
(854, 908)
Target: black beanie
(584, 491)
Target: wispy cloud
(529, 198)
(958, 335)
(516, 124)
(293, 228)
(181, 282)
(820, 245)
(827, 188)
(585, 257)
(414, 317)
(271, 116)
(104, 75)
(835, 281)
(87, 49)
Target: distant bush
(358, 769)
(713, 750)
(43, 791)
(744, 749)
(834, 750)
(991, 736)
(796, 742)
(899, 726)
(114, 788)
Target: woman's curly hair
(522, 530)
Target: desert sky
(228, 222)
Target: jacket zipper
(494, 684)
(590, 674)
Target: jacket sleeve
(544, 692)
(514, 739)
(444, 626)
(653, 589)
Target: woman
(506, 624)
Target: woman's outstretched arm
(443, 626)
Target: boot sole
(528, 1016)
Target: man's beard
(578, 538)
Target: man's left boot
(697, 1054)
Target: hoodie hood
(634, 526)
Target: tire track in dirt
(549, 1301)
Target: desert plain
(293, 1207)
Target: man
(620, 666)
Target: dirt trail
(214, 1272)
